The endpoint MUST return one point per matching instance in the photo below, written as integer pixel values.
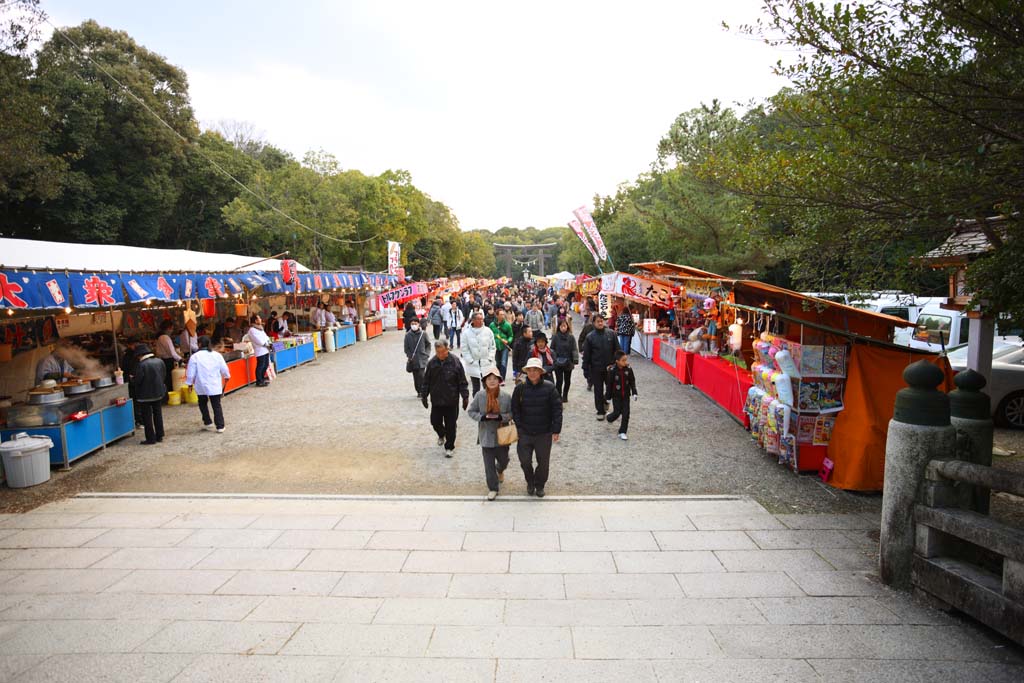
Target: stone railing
(937, 536)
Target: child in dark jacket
(621, 387)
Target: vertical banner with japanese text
(577, 228)
(394, 257)
(588, 224)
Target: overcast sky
(511, 115)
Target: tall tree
(125, 165)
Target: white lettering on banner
(588, 222)
(578, 229)
(407, 292)
(394, 257)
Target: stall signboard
(650, 326)
(394, 257)
(400, 295)
(590, 287)
(637, 288)
(95, 290)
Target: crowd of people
(531, 329)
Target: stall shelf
(344, 336)
(374, 327)
(670, 356)
(724, 383)
(73, 440)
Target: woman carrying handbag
(492, 409)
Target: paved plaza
(307, 588)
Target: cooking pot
(74, 388)
(101, 382)
(45, 396)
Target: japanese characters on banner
(402, 294)
(34, 290)
(394, 257)
(588, 224)
(637, 288)
(577, 228)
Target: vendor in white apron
(55, 366)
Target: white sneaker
(440, 441)
(208, 428)
(220, 431)
(491, 495)
(623, 437)
(449, 454)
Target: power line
(196, 147)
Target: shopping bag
(508, 434)
(271, 373)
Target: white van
(906, 306)
(940, 328)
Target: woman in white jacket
(478, 349)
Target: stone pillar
(919, 431)
(540, 263)
(981, 334)
(971, 416)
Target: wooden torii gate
(537, 252)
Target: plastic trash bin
(26, 460)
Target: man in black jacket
(588, 327)
(537, 411)
(443, 382)
(149, 388)
(621, 389)
(598, 353)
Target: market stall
(80, 308)
(646, 296)
(791, 368)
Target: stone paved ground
(350, 423)
(317, 589)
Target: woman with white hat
(492, 408)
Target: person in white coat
(478, 349)
(208, 372)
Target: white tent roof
(39, 255)
(564, 275)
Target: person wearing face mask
(417, 353)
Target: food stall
(79, 417)
(792, 368)
(647, 296)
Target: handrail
(978, 475)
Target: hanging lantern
(289, 271)
(209, 308)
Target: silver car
(1007, 385)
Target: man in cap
(537, 411)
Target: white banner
(588, 223)
(394, 257)
(578, 229)
(637, 288)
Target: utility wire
(196, 147)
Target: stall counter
(73, 440)
(374, 327)
(286, 358)
(724, 383)
(243, 373)
(670, 356)
(344, 336)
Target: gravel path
(350, 423)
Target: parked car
(1006, 387)
(941, 329)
